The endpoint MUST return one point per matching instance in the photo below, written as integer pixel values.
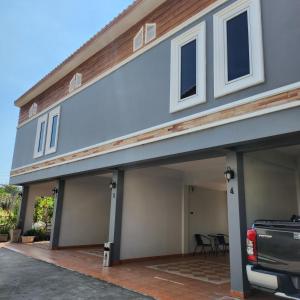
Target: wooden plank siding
(167, 131)
(169, 15)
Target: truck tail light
(251, 245)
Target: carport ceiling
(292, 151)
(208, 173)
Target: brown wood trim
(166, 132)
(167, 16)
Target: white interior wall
(270, 187)
(152, 219)
(207, 213)
(86, 208)
(36, 190)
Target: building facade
(161, 102)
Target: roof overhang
(129, 17)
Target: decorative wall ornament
(75, 82)
(138, 40)
(33, 110)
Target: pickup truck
(273, 250)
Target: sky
(35, 36)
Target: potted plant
(4, 229)
(29, 236)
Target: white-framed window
(40, 136)
(150, 32)
(138, 40)
(33, 110)
(188, 69)
(75, 82)
(52, 131)
(238, 47)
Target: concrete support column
(237, 226)
(115, 222)
(23, 206)
(57, 214)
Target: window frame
(52, 114)
(147, 38)
(197, 33)
(256, 76)
(36, 152)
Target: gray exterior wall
(136, 97)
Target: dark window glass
(53, 131)
(238, 47)
(188, 69)
(41, 137)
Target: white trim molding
(221, 84)
(40, 136)
(197, 33)
(52, 114)
(270, 93)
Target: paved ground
(25, 278)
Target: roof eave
(113, 30)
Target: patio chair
(203, 242)
(222, 242)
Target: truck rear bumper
(276, 283)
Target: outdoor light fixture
(20, 194)
(112, 185)
(55, 191)
(229, 174)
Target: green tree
(43, 210)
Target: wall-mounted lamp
(229, 174)
(112, 185)
(55, 191)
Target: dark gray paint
(136, 96)
(57, 214)
(116, 207)
(270, 125)
(237, 226)
(23, 206)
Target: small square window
(188, 77)
(150, 32)
(238, 51)
(52, 131)
(40, 136)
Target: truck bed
(278, 245)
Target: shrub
(40, 235)
(4, 229)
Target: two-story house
(134, 131)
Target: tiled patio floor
(135, 276)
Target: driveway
(25, 278)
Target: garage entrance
(272, 184)
(177, 213)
